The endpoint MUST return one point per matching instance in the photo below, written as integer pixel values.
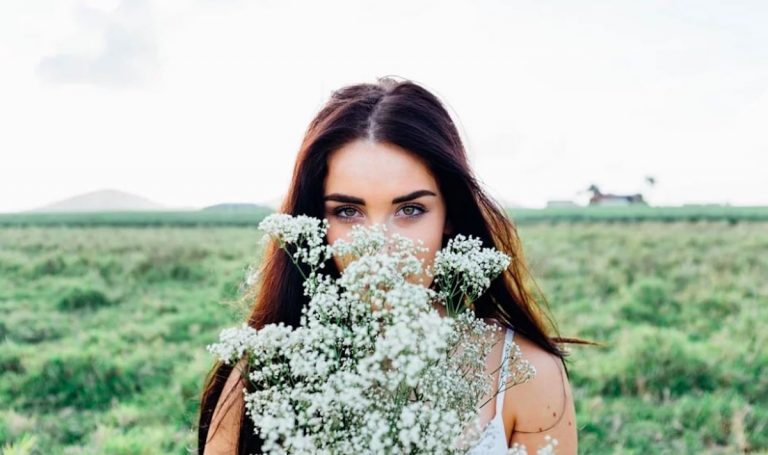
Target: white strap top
(494, 438)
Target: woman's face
(380, 183)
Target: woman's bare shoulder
(542, 406)
(224, 429)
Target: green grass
(251, 217)
(104, 330)
(192, 218)
(104, 333)
(641, 213)
(681, 309)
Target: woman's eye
(345, 212)
(351, 213)
(412, 210)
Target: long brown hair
(405, 114)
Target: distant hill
(102, 201)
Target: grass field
(104, 324)
(201, 218)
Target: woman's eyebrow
(414, 195)
(338, 197)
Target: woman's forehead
(376, 170)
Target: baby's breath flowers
(372, 367)
(463, 270)
(548, 449)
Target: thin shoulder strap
(503, 373)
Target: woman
(389, 153)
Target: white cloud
(117, 48)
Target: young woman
(389, 153)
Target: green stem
(285, 248)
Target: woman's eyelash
(416, 206)
(339, 210)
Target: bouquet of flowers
(373, 366)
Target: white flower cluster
(372, 367)
(294, 229)
(548, 449)
(463, 270)
(305, 233)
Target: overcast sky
(191, 103)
